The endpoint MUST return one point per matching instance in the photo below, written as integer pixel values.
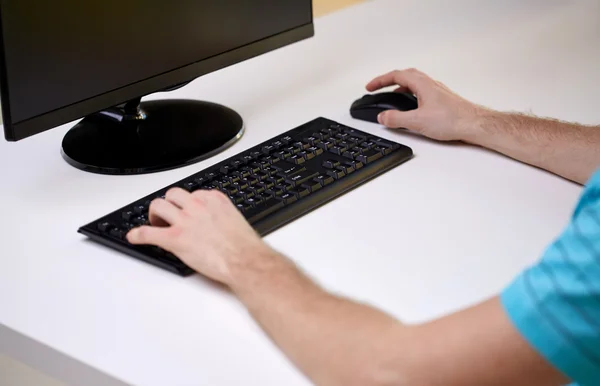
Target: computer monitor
(63, 60)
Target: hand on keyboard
(204, 229)
(263, 187)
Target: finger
(147, 235)
(399, 119)
(402, 89)
(162, 211)
(405, 78)
(179, 197)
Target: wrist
(481, 126)
(265, 272)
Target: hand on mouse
(206, 232)
(442, 114)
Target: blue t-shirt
(556, 303)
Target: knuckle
(217, 195)
(199, 194)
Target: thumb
(395, 119)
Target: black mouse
(370, 106)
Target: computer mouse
(370, 106)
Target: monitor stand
(136, 138)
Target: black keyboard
(271, 184)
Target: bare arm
(335, 341)
(566, 149)
(339, 342)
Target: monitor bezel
(43, 122)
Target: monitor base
(151, 137)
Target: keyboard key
(231, 190)
(211, 175)
(282, 155)
(237, 163)
(105, 226)
(242, 173)
(354, 164)
(128, 215)
(307, 155)
(269, 161)
(346, 169)
(277, 144)
(200, 180)
(254, 167)
(383, 143)
(190, 186)
(354, 133)
(286, 140)
(238, 198)
(299, 191)
(349, 154)
(269, 170)
(261, 176)
(311, 140)
(253, 201)
(301, 145)
(240, 185)
(117, 233)
(256, 154)
(312, 185)
(287, 198)
(276, 179)
(292, 150)
(367, 145)
(337, 174)
(331, 164)
(297, 159)
(222, 182)
(141, 220)
(140, 209)
(285, 169)
(225, 169)
(263, 209)
(320, 135)
(256, 189)
(383, 150)
(326, 145)
(324, 180)
(369, 156)
(247, 159)
(266, 184)
(268, 149)
(314, 150)
(301, 177)
(338, 150)
(275, 192)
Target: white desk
(91, 316)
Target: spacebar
(263, 209)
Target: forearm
(332, 340)
(568, 150)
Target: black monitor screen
(61, 52)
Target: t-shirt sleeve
(556, 303)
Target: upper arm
(543, 329)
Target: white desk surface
(443, 231)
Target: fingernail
(380, 118)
